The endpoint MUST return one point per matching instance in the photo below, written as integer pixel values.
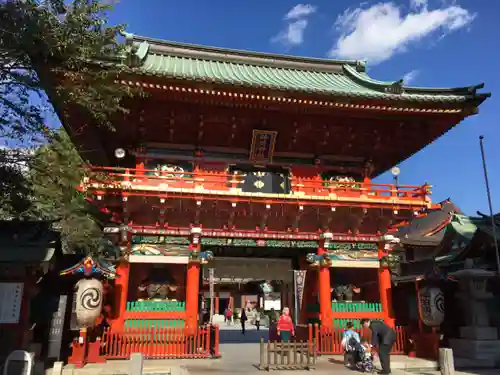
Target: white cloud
(378, 32)
(300, 11)
(293, 34)
(409, 77)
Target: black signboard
(56, 328)
(267, 181)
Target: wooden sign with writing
(262, 148)
(56, 328)
(11, 295)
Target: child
(365, 357)
(350, 341)
(228, 316)
(285, 327)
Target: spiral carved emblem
(431, 306)
(90, 299)
(439, 302)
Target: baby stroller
(356, 357)
(365, 363)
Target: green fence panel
(156, 306)
(153, 323)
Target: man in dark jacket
(384, 337)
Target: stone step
(467, 363)
(476, 349)
(479, 333)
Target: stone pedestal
(476, 349)
(478, 333)
(478, 343)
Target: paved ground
(240, 355)
(472, 372)
(231, 334)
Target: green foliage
(55, 174)
(15, 192)
(51, 49)
(62, 55)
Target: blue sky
(434, 43)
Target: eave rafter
(288, 99)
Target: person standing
(285, 328)
(384, 337)
(257, 319)
(228, 316)
(243, 320)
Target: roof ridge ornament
(361, 66)
(396, 88)
(129, 37)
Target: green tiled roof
(285, 73)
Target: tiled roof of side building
(345, 78)
(428, 230)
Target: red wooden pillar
(216, 307)
(325, 294)
(121, 288)
(192, 293)
(140, 168)
(384, 285)
(193, 282)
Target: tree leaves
(55, 174)
(67, 54)
(57, 58)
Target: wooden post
(192, 291)
(262, 354)
(314, 353)
(384, 285)
(136, 364)
(57, 368)
(193, 282)
(417, 293)
(446, 363)
(139, 168)
(325, 294)
(121, 282)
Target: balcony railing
(215, 183)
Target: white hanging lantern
(88, 301)
(431, 306)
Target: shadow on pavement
(336, 361)
(234, 336)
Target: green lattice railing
(153, 324)
(344, 307)
(156, 306)
(341, 323)
(356, 307)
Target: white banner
(299, 277)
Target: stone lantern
(478, 340)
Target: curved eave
(366, 95)
(290, 74)
(468, 93)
